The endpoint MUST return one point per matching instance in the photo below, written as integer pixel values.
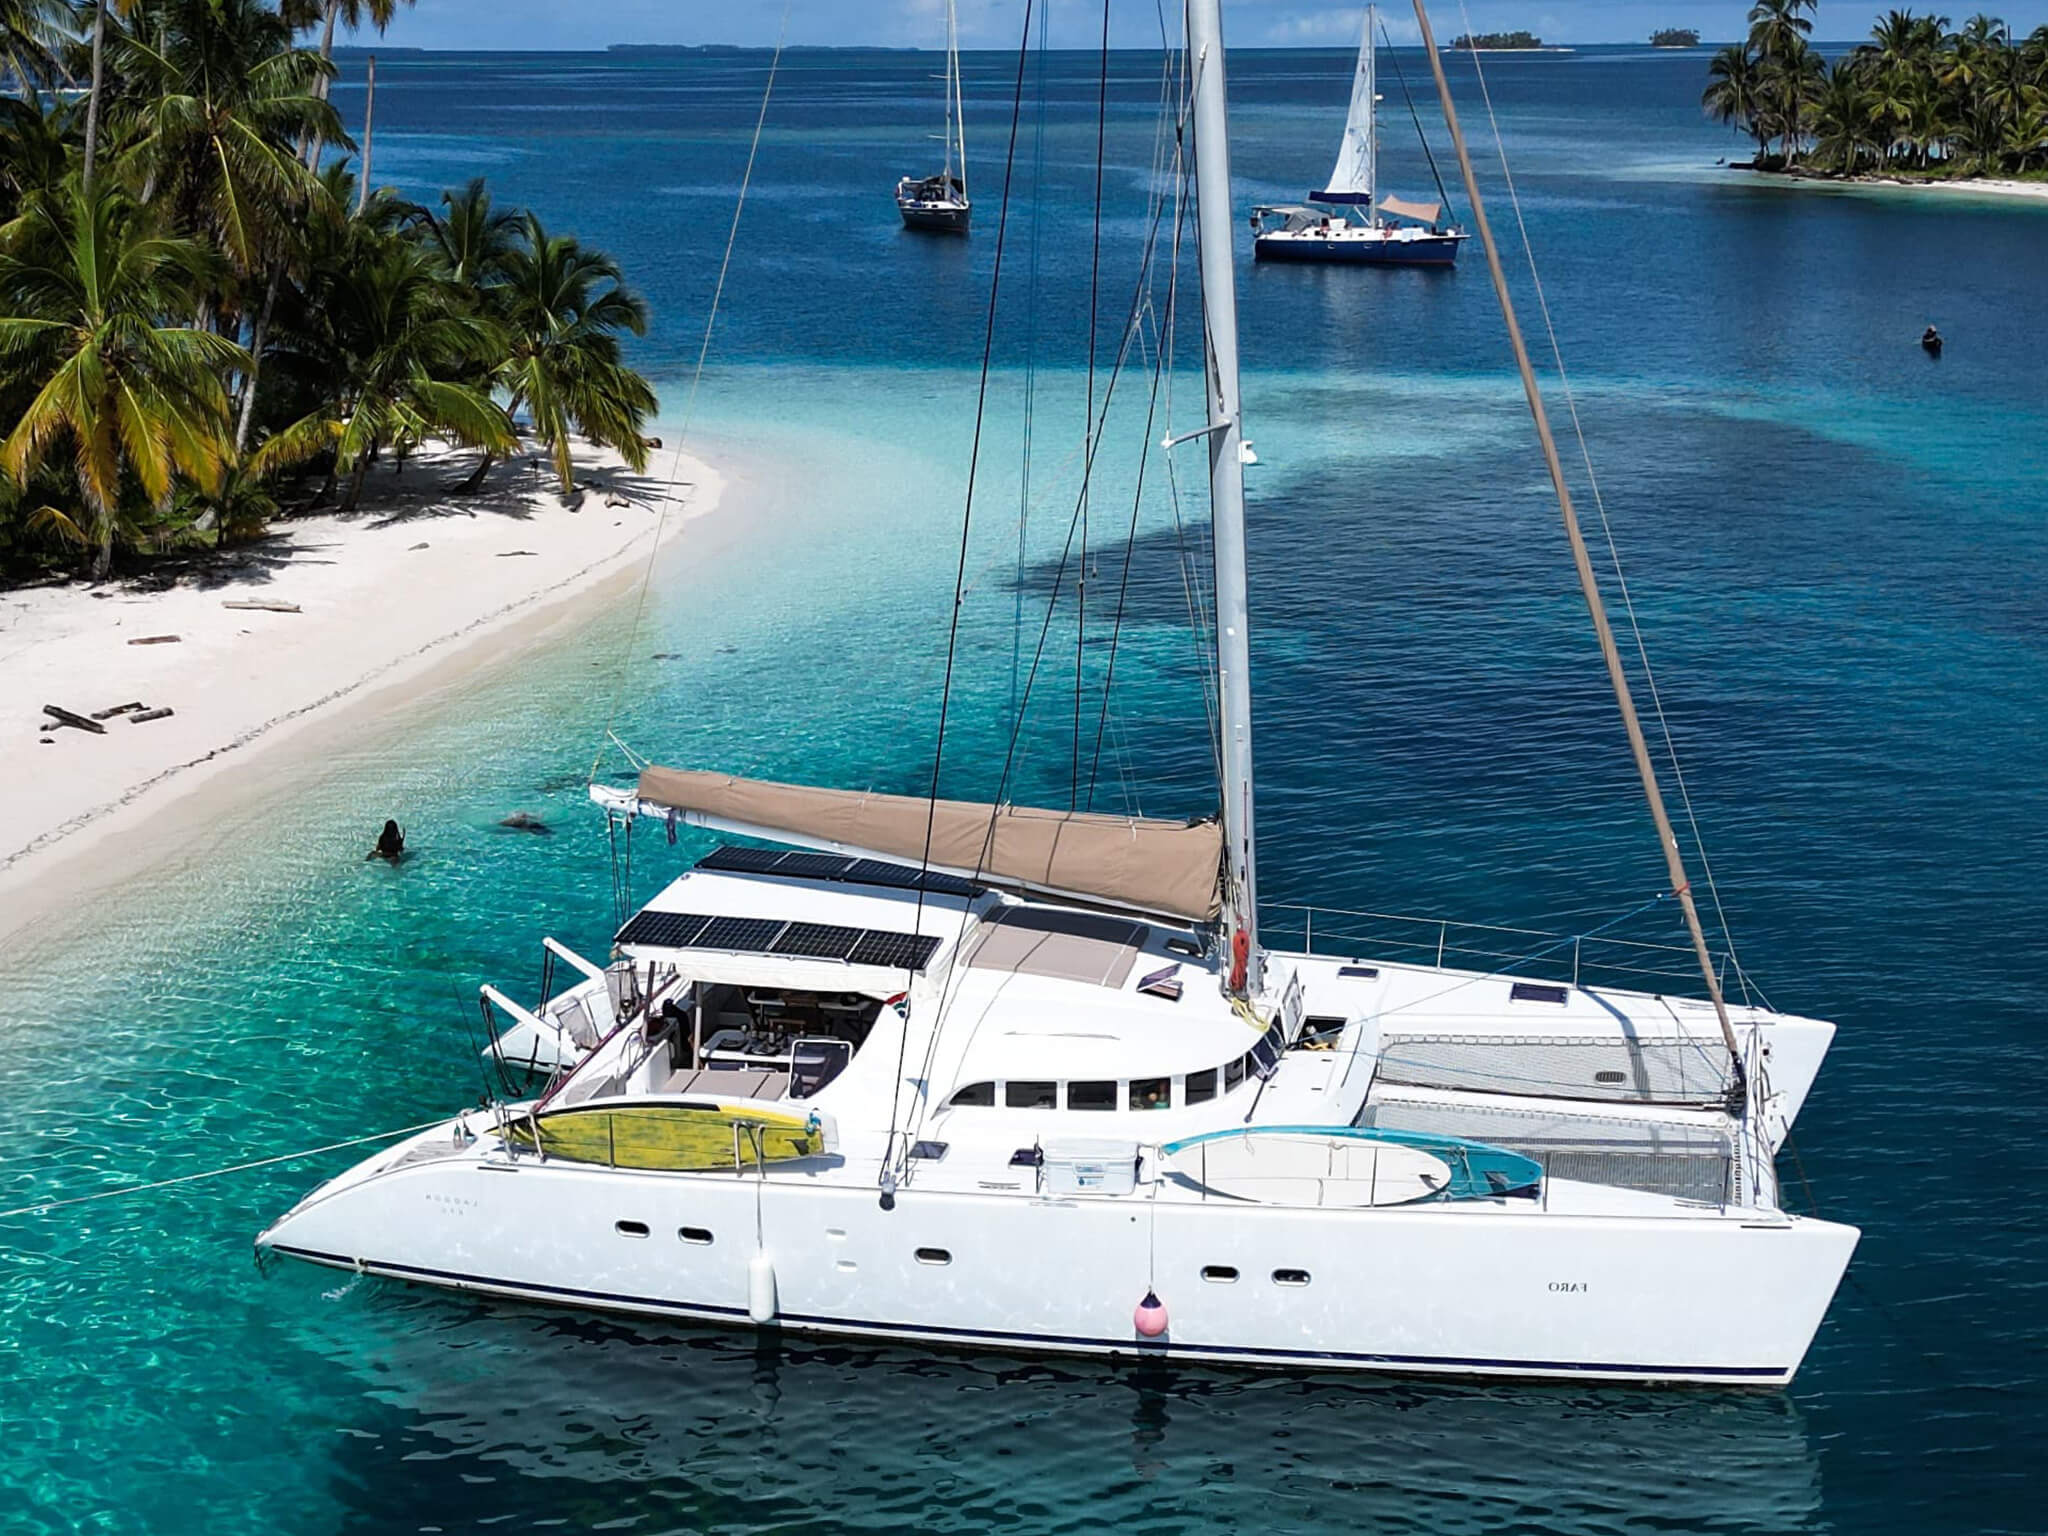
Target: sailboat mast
(1214, 226)
(956, 126)
(1372, 116)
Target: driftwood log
(156, 640)
(78, 722)
(118, 709)
(151, 714)
(265, 604)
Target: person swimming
(390, 843)
(1931, 339)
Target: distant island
(1498, 41)
(1675, 37)
(1915, 103)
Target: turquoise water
(1837, 550)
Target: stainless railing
(1578, 959)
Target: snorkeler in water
(390, 843)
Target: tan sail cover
(1425, 213)
(1168, 867)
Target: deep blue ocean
(1837, 548)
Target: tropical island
(211, 316)
(1916, 103)
(1498, 42)
(1675, 37)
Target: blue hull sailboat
(939, 204)
(1347, 220)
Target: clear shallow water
(1837, 550)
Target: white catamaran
(1323, 229)
(971, 1074)
(939, 204)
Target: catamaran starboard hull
(1495, 1289)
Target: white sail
(1351, 180)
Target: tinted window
(976, 1093)
(1029, 1095)
(1091, 1095)
(1201, 1086)
(1233, 1074)
(1152, 1093)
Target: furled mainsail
(1167, 867)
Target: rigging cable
(1606, 528)
(1407, 96)
(690, 400)
(1091, 430)
(40, 1206)
(886, 1176)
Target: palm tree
(564, 306)
(354, 13)
(473, 239)
(403, 343)
(135, 401)
(32, 35)
(1778, 36)
(1843, 118)
(1734, 92)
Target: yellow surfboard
(692, 1135)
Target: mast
(1371, 61)
(1214, 230)
(956, 117)
(1646, 768)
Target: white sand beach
(1977, 187)
(383, 596)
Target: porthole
(1219, 1274)
(1290, 1277)
(701, 1236)
(934, 1256)
(630, 1228)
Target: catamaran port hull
(1349, 250)
(1499, 1288)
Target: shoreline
(1984, 186)
(395, 601)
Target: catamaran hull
(1498, 1290)
(1434, 251)
(935, 219)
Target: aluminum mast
(1214, 226)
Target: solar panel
(814, 866)
(748, 859)
(897, 950)
(772, 936)
(663, 930)
(752, 934)
(824, 941)
(804, 865)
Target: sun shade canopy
(1401, 208)
(1167, 867)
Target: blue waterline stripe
(1121, 1346)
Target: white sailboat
(1348, 220)
(980, 1075)
(939, 204)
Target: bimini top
(1167, 867)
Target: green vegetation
(1916, 100)
(1498, 40)
(203, 318)
(1675, 37)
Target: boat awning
(1165, 867)
(1425, 213)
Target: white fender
(761, 1288)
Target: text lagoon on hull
(976, 1075)
(939, 204)
(1324, 230)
